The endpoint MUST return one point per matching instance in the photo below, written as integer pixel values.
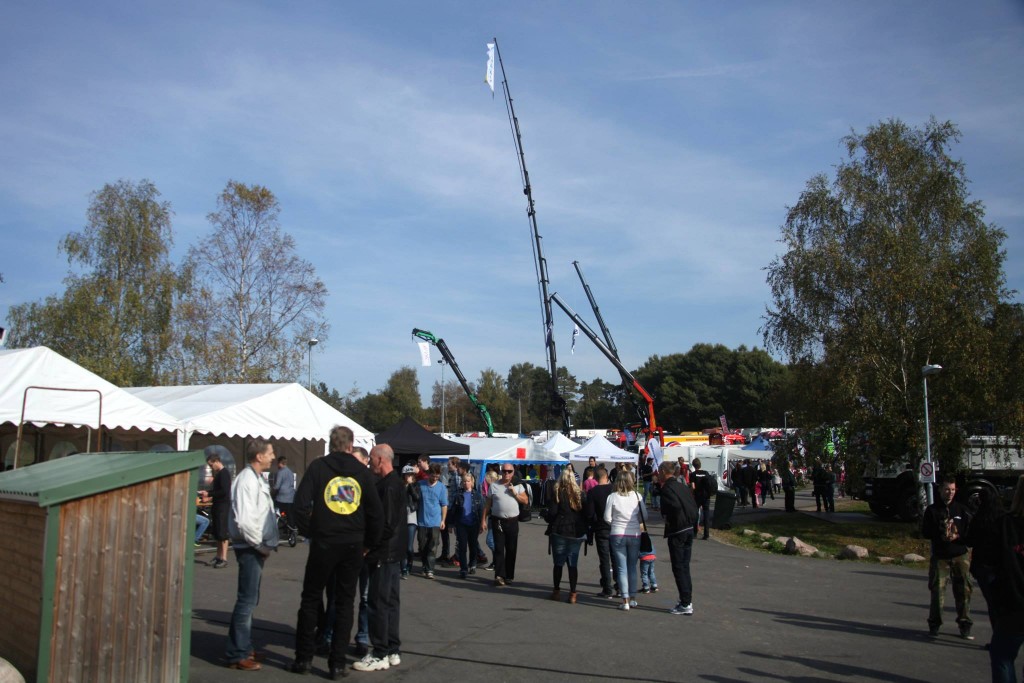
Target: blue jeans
(250, 571)
(626, 550)
(467, 545)
(647, 577)
(202, 522)
(363, 630)
(1002, 653)
(565, 550)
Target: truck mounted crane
(450, 360)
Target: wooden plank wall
(21, 570)
(120, 584)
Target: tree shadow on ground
(846, 626)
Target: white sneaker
(624, 607)
(371, 663)
(682, 609)
(632, 603)
(394, 659)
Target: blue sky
(664, 142)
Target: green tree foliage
(254, 302)
(399, 398)
(888, 267)
(692, 390)
(115, 315)
(491, 391)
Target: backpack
(710, 485)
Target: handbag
(646, 545)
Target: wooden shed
(96, 574)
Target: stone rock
(766, 536)
(913, 557)
(766, 544)
(8, 674)
(794, 546)
(853, 552)
(782, 540)
(749, 532)
(885, 560)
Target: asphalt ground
(757, 617)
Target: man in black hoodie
(338, 509)
(945, 525)
(383, 602)
(680, 511)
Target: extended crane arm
(650, 425)
(450, 360)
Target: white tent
(561, 444)
(516, 451)
(268, 411)
(36, 380)
(602, 450)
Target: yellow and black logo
(343, 495)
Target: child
(649, 581)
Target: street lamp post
(926, 372)
(313, 341)
(785, 420)
(442, 363)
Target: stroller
(287, 530)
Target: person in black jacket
(945, 524)
(568, 531)
(700, 480)
(337, 508)
(599, 532)
(1006, 606)
(384, 561)
(679, 509)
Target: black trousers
(344, 560)
(506, 543)
(790, 495)
(604, 559)
(383, 605)
(705, 515)
(680, 547)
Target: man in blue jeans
(680, 511)
(253, 531)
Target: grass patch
(882, 539)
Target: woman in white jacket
(623, 513)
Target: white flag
(575, 333)
(425, 354)
(489, 77)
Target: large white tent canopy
(267, 411)
(602, 450)
(37, 380)
(561, 444)
(516, 451)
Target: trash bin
(725, 503)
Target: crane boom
(558, 402)
(450, 359)
(629, 381)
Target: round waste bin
(725, 503)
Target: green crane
(450, 360)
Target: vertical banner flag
(425, 354)
(489, 77)
(654, 449)
(575, 333)
(725, 425)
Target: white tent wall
(715, 459)
(64, 405)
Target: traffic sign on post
(928, 472)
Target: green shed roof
(86, 474)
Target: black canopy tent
(409, 439)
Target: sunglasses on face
(508, 471)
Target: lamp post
(313, 341)
(785, 420)
(926, 372)
(442, 364)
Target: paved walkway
(758, 617)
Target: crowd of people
(369, 524)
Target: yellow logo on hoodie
(343, 495)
